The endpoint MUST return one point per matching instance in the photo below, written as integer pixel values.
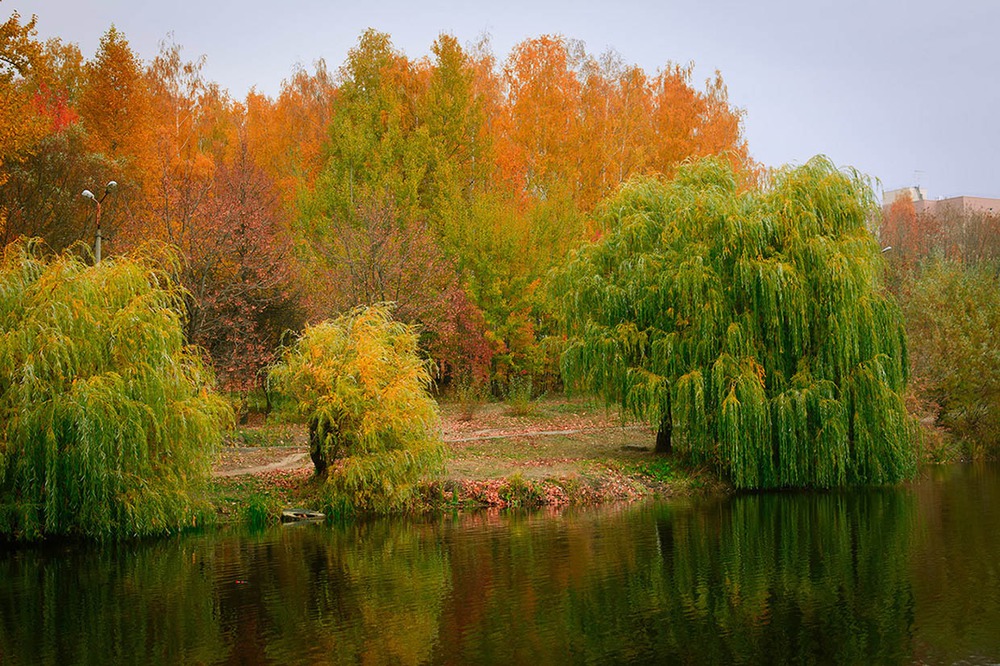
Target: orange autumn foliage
(20, 125)
(492, 168)
(287, 133)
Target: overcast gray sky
(907, 92)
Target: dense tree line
(449, 184)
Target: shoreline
(564, 452)
(259, 498)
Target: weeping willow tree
(107, 417)
(748, 326)
(373, 426)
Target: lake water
(907, 575)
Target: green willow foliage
(373, 426)
(751, 324)
(107, 417)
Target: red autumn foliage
(241, 275)
(381, 258)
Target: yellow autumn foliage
(373, 426)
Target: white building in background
(921, 204)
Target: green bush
(107, 418)
(521, 400)
(374, 429)
(660, 470)
(469, 397)
(260, 510)
(952, 315)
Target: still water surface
(907, 575)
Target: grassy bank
(560, 452)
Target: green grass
(518, 471)
(519, 492)
(660, 470)
(253, 500)
(574, 405)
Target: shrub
(107, 417)
(470, 398)
(373, 427)
(952, 313)
(520, 396)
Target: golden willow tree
(748, 326)
(374, 429)
(107, 416)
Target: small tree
(373, 426)
(107, 417)
(240, 278)
(375, 255)
(748, 327)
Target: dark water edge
(903, 575)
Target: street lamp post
(90, 195)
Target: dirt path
(593, 432)
(295, 460)
(247, 460)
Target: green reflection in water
(765, 579)
(137, 603)
(857, 577)
(371, 593)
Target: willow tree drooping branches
(374, 429)
(107, 417)
(749, 326)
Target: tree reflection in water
(853, 577)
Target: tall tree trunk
(663, 445)
(663, 434)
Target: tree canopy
(450, 184)
(749, 325)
